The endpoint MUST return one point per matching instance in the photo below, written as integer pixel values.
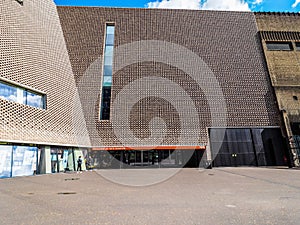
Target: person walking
(79, 163)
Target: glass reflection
(5, 161)
(17, 94)
(8, 92)
(110, 29)
(24, 161)
(107, 70)
(107, 81)
(110, 39)
(34, 100)
(109, 51)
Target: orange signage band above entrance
(140, 148)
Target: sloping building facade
(39, 103)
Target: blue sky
(236, 5)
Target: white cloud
(296, 3)
(175, 4)
(257, 2)
(229, 5)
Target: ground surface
(192, 196)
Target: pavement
(240, 195)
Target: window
(21, 95)
(295, 98)
(107, 72)
(298, 46)
(279, 46)
(17, 160)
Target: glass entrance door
(142, 158)
(139, 158)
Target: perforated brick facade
(33, 54)
(227, 42)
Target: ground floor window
(22, 160)
(62, 160)
(66, 159)
(17, 160)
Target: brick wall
(284, 66)
(226, 41)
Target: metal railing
(294, 143)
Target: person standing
(79, 163)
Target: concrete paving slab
(191, 196)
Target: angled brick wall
(33, 53)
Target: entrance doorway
(168, 158)
(247, 147)
(142, 158)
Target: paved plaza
(191, 196)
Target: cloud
(175, 4)
(228, 5)
(257, 2)
(296, 3)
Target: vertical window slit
(107, 72)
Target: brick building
(135, 87)
(280, 35)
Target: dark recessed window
(279, 46)
(295, 98)
(298, 46)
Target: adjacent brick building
(280, 35)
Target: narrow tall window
(107, 72)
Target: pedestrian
(79, 162)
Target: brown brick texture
(227, 42)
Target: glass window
(110, 39)
(298, 46)
(21, 95)
(109, 51)
(8, 92)
(279, 46)
(107, 73)
(107, 81)
(106, 92)
(108, 60)
(24, 160)
(110, 29)
(107, 70)
(5, 161)
(105, 106)
(34, 100)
